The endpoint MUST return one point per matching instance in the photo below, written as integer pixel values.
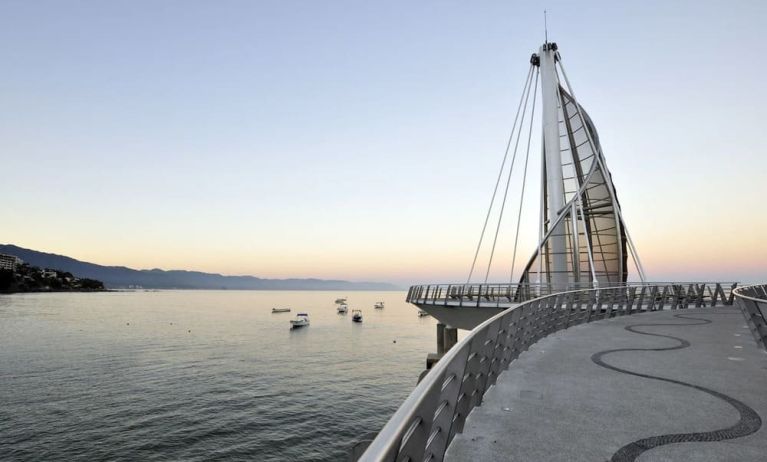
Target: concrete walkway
(685, 385)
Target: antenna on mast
(545, 28)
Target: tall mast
(553, 159)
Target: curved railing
(504, 295)
(425, 424)
(752, 300)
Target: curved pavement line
(748, 423)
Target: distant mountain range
(116, 277)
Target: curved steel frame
(425, 424)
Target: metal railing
(504, 295)
(425, 424)
(752, 300)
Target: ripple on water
(79, 383)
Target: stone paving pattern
(556, 403)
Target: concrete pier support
(450, 338)
(447, 337)
(441, 339)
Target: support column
(554, 182)
(447, 337)
(450, 338)
(440, 339)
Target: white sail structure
(583, 238)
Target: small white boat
(422, 313)
(379, 305)
(301, 320)
(341, 301)
(356, 315)
(342, 308)
(280, 310)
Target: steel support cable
(508, 181)
(524, 179)
(500, 172)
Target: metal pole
(554, 181)
(542, 217)
(576, 243)
(594, 280)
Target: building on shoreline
(9, 262)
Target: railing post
(605, 303)
(568, 310)
(677, 295)
(622, 301)
(732, 294)
(632, 296)
(640, 302)
(653, 298)
(717, 292)
(663, 297)
(700, 292)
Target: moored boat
(280, 310)
(301, 320)
(356, 315)
(379, 305)
(342, 308)
(341, 300)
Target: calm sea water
(201, 375)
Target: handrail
(505, 295)
(752, 301)
(435, 411)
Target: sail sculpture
(583, 238)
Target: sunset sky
(361, 141)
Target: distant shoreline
(116, 290)
(58, 291)
(120, 276)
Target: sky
(361, 140)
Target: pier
(654, 372)
(570, 360)
(668, 385)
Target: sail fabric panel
(593, 227)
(576, 254)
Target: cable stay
(525, 90)
(508, 180)
(524, 181)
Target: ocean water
(201, 375)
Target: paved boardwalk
(685, 385)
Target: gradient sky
(346, 139)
